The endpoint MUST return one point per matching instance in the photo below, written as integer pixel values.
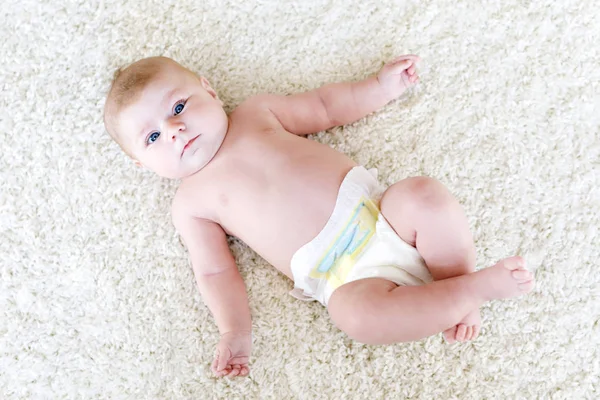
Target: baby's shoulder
(254, 114)
(257, 106)
(187, 203)
(260, 100)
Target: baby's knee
(420, 192)
(429, 192)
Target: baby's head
(165, 117)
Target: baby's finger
(412, 57)
(222, 372)
(213, 366)
(404, 64)
(222, 359)
(411, 70)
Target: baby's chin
(180, 173)
(191, 163)
(189, 168)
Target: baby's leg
(376, 311)
(426, 215)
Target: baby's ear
(208, 88)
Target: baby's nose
(175, 128)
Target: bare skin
(253, 176)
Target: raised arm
(343, 103)
(222, 290)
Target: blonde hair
(125, 89)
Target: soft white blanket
(97, 299)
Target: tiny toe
(460, 332)
(522, 275)
(469, 333)
(515, 262)
(526, 286)
(450, 335)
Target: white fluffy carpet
(97, 299)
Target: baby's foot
(508, 278)
(467, 329)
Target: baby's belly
(278, 210)
(280, 226)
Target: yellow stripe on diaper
(348, 245)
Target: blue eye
(178, 108)
(153, 137)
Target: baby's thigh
(354, 306)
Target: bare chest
(277, 192)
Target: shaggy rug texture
(97, 297)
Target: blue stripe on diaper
(342, 244)
(359, 243)
(338, 249)
(347, 246)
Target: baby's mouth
(189, 144)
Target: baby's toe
(522, 275)
(512, 263)
(450, 335)
(469, 334)
(461, 331)
(526, 286)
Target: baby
(390, 265)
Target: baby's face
(177, 124)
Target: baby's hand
(233, 354)
(398, 75)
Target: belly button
(223, 200)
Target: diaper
(356, 243)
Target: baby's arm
(222, 290)
(343, 103)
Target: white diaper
(356, 243)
